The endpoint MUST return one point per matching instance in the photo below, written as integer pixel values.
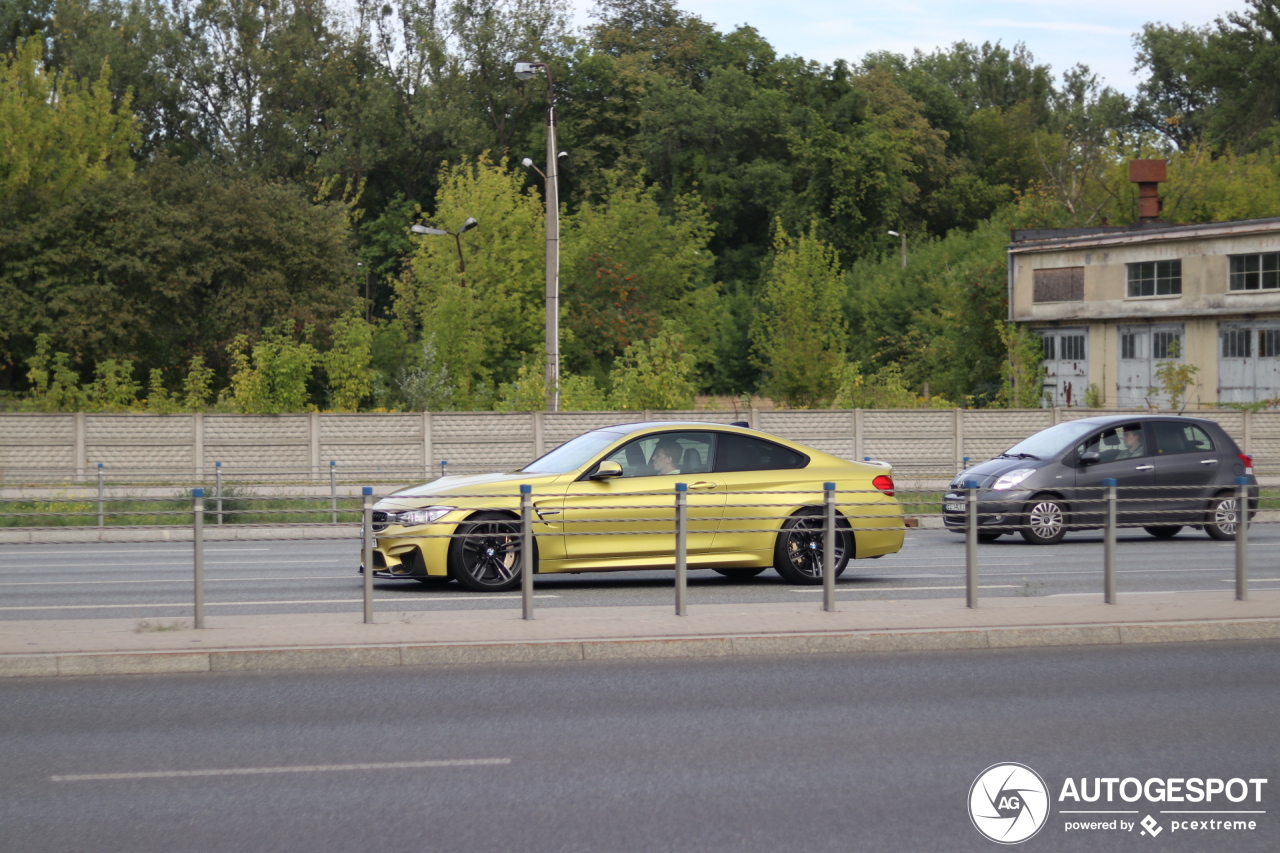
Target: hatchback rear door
(1188, 466)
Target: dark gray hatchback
(1172, 472)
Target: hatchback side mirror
(1091, 458)
(605, 470)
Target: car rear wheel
(1164, 531)
(484, 555)
(743, 572)
(1044, 521)
(797, 555)
(1220, 521)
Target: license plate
(955, 506)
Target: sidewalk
(324, 640)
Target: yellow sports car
(606, 501)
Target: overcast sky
(1098, 33)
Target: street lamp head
(526, 70)
(527, 163)
(422, 229)
(468, 225)
(563, 154)
(894, 234)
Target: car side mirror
(1091, 458)
(606, 470)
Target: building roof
(1049, 239)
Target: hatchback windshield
(573, 454)
(1050, 442)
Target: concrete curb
(435, 654)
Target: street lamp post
(904, 246)
(457, 238)
(525, 71)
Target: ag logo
(1008, 803)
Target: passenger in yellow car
(665, 456)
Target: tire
(740, 573)
(1044, 520)
(989, 537)
(1220, 520)
(1164, 531)
(484, 555)
(797, 555)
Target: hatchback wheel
(1163, 531)
(1220, 521)
(484, 555)
(1045, 521)
(797, 555)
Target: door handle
(1145, 468)
(702, 485)
(1208, 461)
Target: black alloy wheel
(797, 556)
(484, 555)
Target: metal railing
(830, 519)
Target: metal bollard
(333, 491)
(682, 548)
(971, 543)
(444, 463)
(1242, 538)
(101, 513)
(829, 547)
(1109, 544)
(526, 550)
(197, 539)
(367, 541)
(217, 489)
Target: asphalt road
(146, 581)
(818, 753)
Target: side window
(748, 453)
(666, 453)
(1174, 437)
(1124, 441)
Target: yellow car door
(629, 520)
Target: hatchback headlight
(1013, 478)
(411, 517)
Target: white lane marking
(305, 768)
(911, 588)
(181, 580)
(86, 552)
(162, 566)
(1131, 592)
(478, 597)
(1251, 580)
(941, 565)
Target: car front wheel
(1045, 521)
(797, 555)
(484, 555)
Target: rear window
(1173, 437)
(748, 453)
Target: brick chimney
(1148, 175)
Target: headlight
(412, 517)
(1013, 478)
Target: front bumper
(995, 509)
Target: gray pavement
(793, 753)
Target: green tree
(799, 333)
(1023, 369)
(269, 376)
(655, 374)
(348, 362)
(60, 133)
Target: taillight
(1247, 460)
(884, 483)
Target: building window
(1166, 345)
(1072, 348)
(1128, 345)
(1236, 343)
(1255, 272)
(1058, 285)
(1268, 343)
(1047, 348)
(1155, 278)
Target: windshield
(1050, 442)
(573, 454)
